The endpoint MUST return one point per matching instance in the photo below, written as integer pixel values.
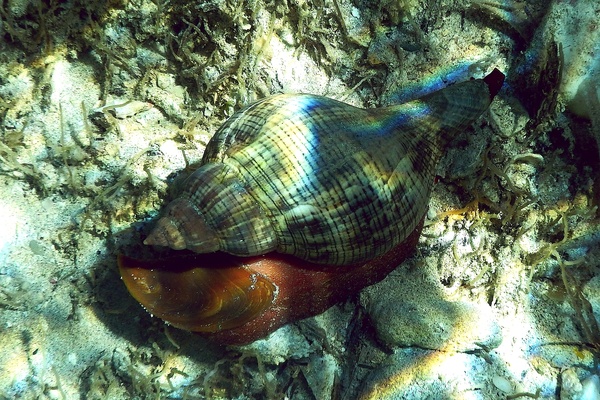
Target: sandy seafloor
(102, 104)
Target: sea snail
(312, 198)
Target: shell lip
(185, 260)
(177, 261)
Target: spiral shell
(294, 182)
(317, 178)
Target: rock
(426, 374)
(409, 308)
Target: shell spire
(319, 179)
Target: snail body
(312, 198)
(316, 178)
(237, 300)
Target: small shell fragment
(125, 108)
(502, 384)
(531, 158)
(131, 108)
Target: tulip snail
(300, 201)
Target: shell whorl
(317, 178)
(215, 212)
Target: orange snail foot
(237, 300)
